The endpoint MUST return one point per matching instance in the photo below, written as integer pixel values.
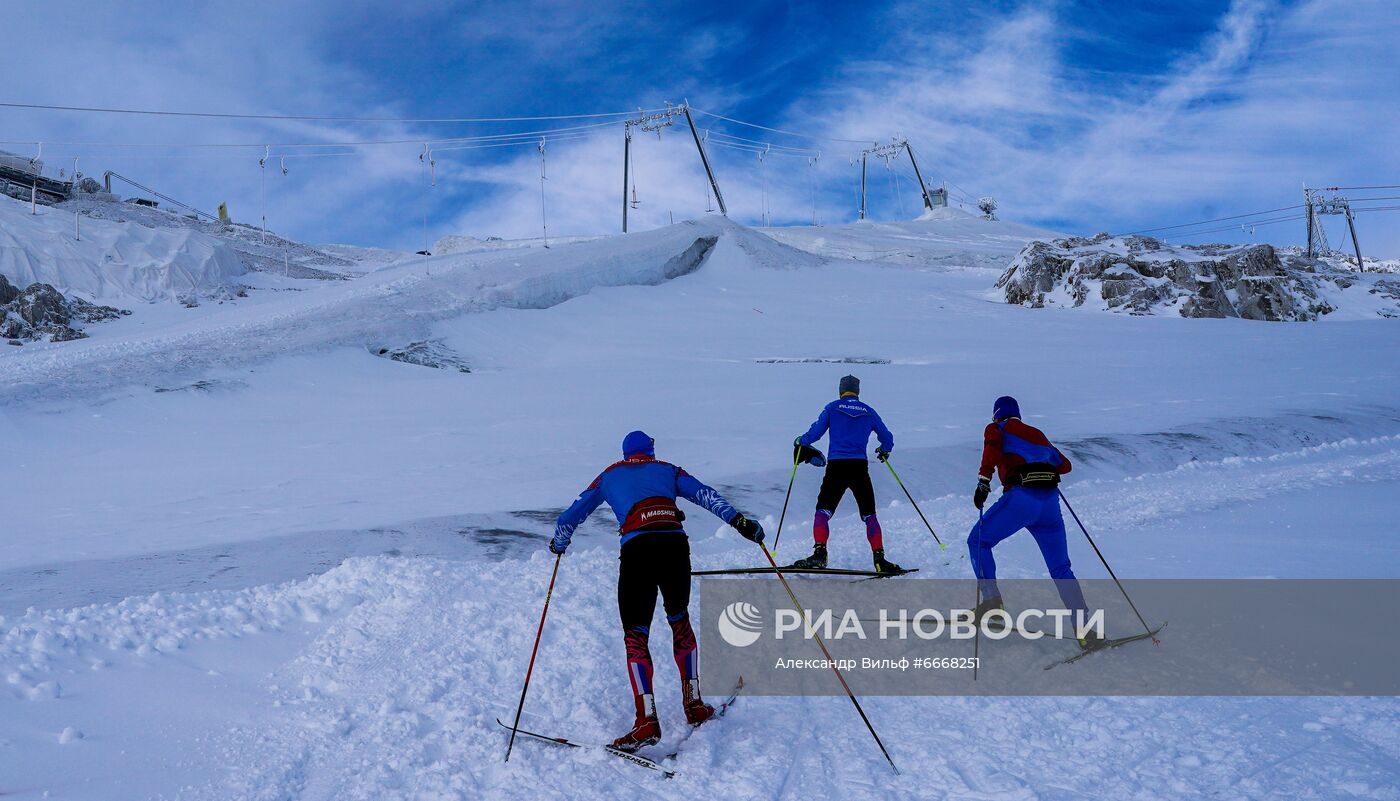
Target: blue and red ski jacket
(642, 492)
(1010, 444)
(851, 422)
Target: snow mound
(398, 303)
(259, 250)
(455, 244)
(943, 238)
(1142, 275)
(946, 213)
(112, 261)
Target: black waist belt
(1037, 475)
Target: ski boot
(988, 605)
(696, 710)
(645, 731)
(1091, 641)
(816, 560)
(883, 565)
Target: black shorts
(847, 474)
(653, 562)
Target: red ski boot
(696, 710)
(646, 731)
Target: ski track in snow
(411, 660)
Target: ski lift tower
(1319, 206)
(889, 152)
(655, 123)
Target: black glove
(748, 528)
(984, 488)
(806, 453)
(555, 550)
(882, 454)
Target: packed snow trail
(382, 679)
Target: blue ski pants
(1039, 511)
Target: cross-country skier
(1029, 467)
(642, 492)
(850, 423)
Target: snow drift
(111, 260)
(394, 306)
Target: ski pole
(777, 571)
(795, 459)
(1146, 627)
(977, 594)
(515, 727)
(941, 546)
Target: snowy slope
(944, 237)
(112, 261)
(289, 445)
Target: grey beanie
(850, 384)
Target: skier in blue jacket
(849, 422)
(642, 492)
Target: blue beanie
(1006, 406)
(638, 443)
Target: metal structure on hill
(656, 122)
(889, 152)
(1318, 206)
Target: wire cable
(1217, 219)
(307, 118)
(367, 143)
(781, 131)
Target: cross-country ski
(799, 401)
(607, 748)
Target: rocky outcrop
(427, 353)
(40, 312)
(1141, 275)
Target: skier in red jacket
(1029, 467)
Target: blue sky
(1079, 116)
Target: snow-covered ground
(182, 491)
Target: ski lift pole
(262, 189)
(549, 593)
(704, 158)
(544, 220)
(941, 546)
(1095, 545)
(831, 661)
(626, 167)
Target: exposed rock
(1142, 275)
(428, 353)
(40, 312)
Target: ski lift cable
(780, 130)
(1252, 223)
(310, 118)
(337, 154)
(763, 143)
(756, 149)
(531, 135)
(1215, 220)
